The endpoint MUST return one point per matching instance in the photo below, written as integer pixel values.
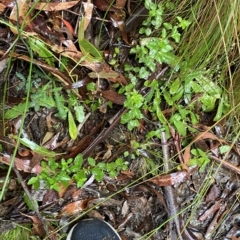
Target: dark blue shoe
(93, 229)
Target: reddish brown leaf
(2, 8)
(49, 197)
(121, 3)
(75, 207)
(68, 25)
(114, 97)
(187, 155)
(63, 188)
(172, 178)
(118, 22)
(105, 5)
(207, 135)
(21, 165)
(38, 228)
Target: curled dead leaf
(173, 178)
(74, 207)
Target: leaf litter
(78, 110)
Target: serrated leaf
(16, 110)
(179, 124)
(91, 161)
(73, 131)
(175, 86)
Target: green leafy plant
(184, 92)
(55, 173)
(50, 96)
(199, 158)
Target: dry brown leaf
(21, 165)
(113, 97)
(56, 6)
(172, 178)
(75, 207)
(38, 228)
(2, 8)
(88, 8)
(63, 189)
(121, 3)
(207, 135)
(19, 13)
(105, 5)
(187, 155)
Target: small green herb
(53, 173)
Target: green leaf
(90, 52)
(132, 124)
(56, 187)
(183, 23)
(29, 203)
(73, 131)
(219, 110)
(208, 102)
(41, 49)
(78, 161)
(62, 110)
(91, 86)
(178, 95)
(224, 149)
(175, 86)
(168, 97)
(79, 112)
(36, 148)
(179, 124)
(98, 173)
(101, 165)
(91, 161)
(80, 178)
(81, 30)
(63, 178)
(113, 174)
(16, 110)
(53, 165)
(32, 180)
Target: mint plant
(55, 173)
(184, 92)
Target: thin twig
(35, 207)
(169, 194)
